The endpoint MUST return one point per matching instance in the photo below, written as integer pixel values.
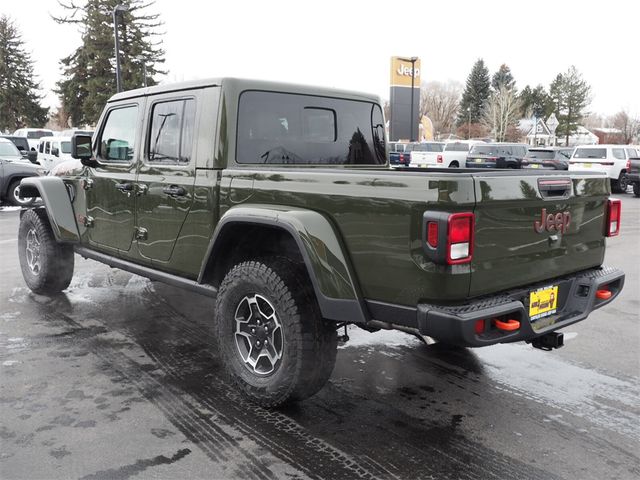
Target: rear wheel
(620, 185)
(271, 337)
(454, 164)
(47, 266)
(13, 195)
(636, 189)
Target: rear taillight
(460, 238)
(401, 157)
(628, 166)
(614, 210)
(439, 159)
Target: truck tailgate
(535, 227)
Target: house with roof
(535, 132)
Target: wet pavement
(118, 379)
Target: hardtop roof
(241, 84)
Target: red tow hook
(508, 326)
(603, 294)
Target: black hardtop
(240, 85)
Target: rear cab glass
(281, 128)
(456, 147)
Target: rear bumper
(457, 324)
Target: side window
(47, 147)
(282, 128)
(171, 133)
(117, 141)
(41, 147)
(631, 152)
(618, 153)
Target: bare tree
(503, 110)
(439, 101)
(629, 126)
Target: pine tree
(570, 94)
(19, 98)
(476, 94)
(536, 102)
(503, 78)
(89, 72)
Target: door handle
(174, 191)
(126, 188)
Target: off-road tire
(636, 189)
(309, 345)
(14, 199)
(620, 185)
(48, 267)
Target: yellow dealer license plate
(543, 302)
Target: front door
(166, 175)
(111, 191)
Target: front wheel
(271, 337)
(47, 266)
(13, 195)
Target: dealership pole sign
(404, 98)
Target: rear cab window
(456, 147)
(281, 128)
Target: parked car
(75, 131)
(633, 172)
(399, 156)
(21, 144)
(554, 158)
(496, 155)
(33, 135)
(613, 160)
(425, 153)
(455, 153)
(213, 186)
(54, 150)
(13, 168)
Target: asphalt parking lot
(117, 379)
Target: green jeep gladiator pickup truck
(278, 202)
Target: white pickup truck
(426, 153)
(453, 155)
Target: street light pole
(116, 11)
(469, 124)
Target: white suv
(33, 135)
(54, 150)
(610, 159)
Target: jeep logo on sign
(558, 222)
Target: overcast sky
(348, 44)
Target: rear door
(166, 175)
(532, 227)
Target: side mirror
(32, 156)
(55, 152)
(81, 150)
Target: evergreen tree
(476, 94)
(536, 102)
(570, 94)
(19, 98)
(89, 72)
(503, 78)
